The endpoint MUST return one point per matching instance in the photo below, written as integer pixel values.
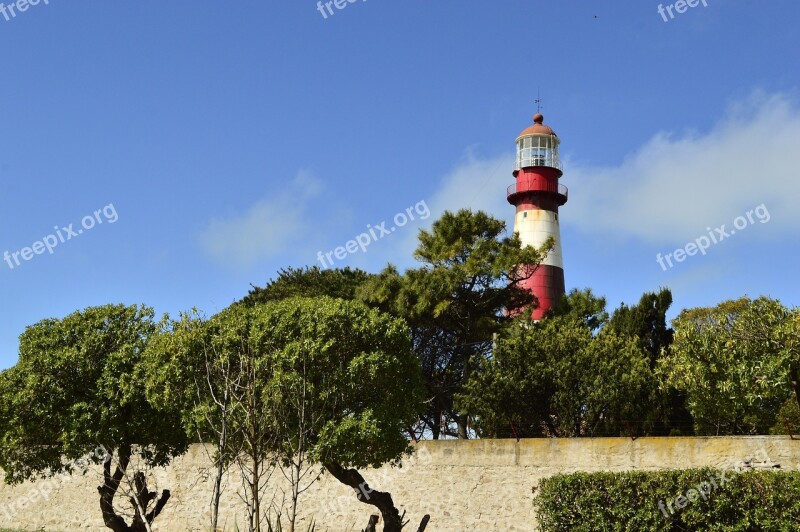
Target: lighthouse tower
(537, 195)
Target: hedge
(750, 500)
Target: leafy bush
(722, 500)
(788, 418)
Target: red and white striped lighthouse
(537, 195)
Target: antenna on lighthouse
(538, 102)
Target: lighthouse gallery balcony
(559, 192)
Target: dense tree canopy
(737, 362)
(310, 282)
(583, 306)
(331, 377)
(455, 303)
(333, 367)
(557, 378)
(75, 388)
(647, 322)
(662, 408)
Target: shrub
(755, 500)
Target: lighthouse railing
(526, 185)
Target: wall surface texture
(482, 485)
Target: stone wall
(464, 485)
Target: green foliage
(662, 409)
(584, 306)
(454, 303)
(194, 365)
(295, 382)
(75, 387)
(737, 363)
(347, 369)
(747, 501)
(647, 322)
(353, 372)
(556, 378)
(309, 282)
(788, 419)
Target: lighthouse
(537, 195)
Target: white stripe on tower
(535, 227)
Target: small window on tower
(525, 214)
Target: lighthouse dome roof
(538, 127)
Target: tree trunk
(392, 521)
(373, 522)
(257, 494)
(215, 496)
(794, 378)
(297, 469)
(109, 489)
(144, 499)
(424, 523)
(437, 424)
(216, 492)
(461, 422)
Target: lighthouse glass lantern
(537, 150)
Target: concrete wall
(464, 485)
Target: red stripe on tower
(537, 195)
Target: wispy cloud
(269, 229)
(675, 185)
(666, 191)
(474, 183)
(478, 184)
(670, 188)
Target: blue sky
(236, 138)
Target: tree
(584, 306)
(345, 386)
(310, 282)
(737, 363)
(334, 383)
(647, 322)
(556, 378)
(663, 409)
(215, 372)
(203, 388)
(74, 388)
(788, 419)
(455, 303)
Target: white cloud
(478, 184)
(669, 189)
(268, 229)
(674, 186)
